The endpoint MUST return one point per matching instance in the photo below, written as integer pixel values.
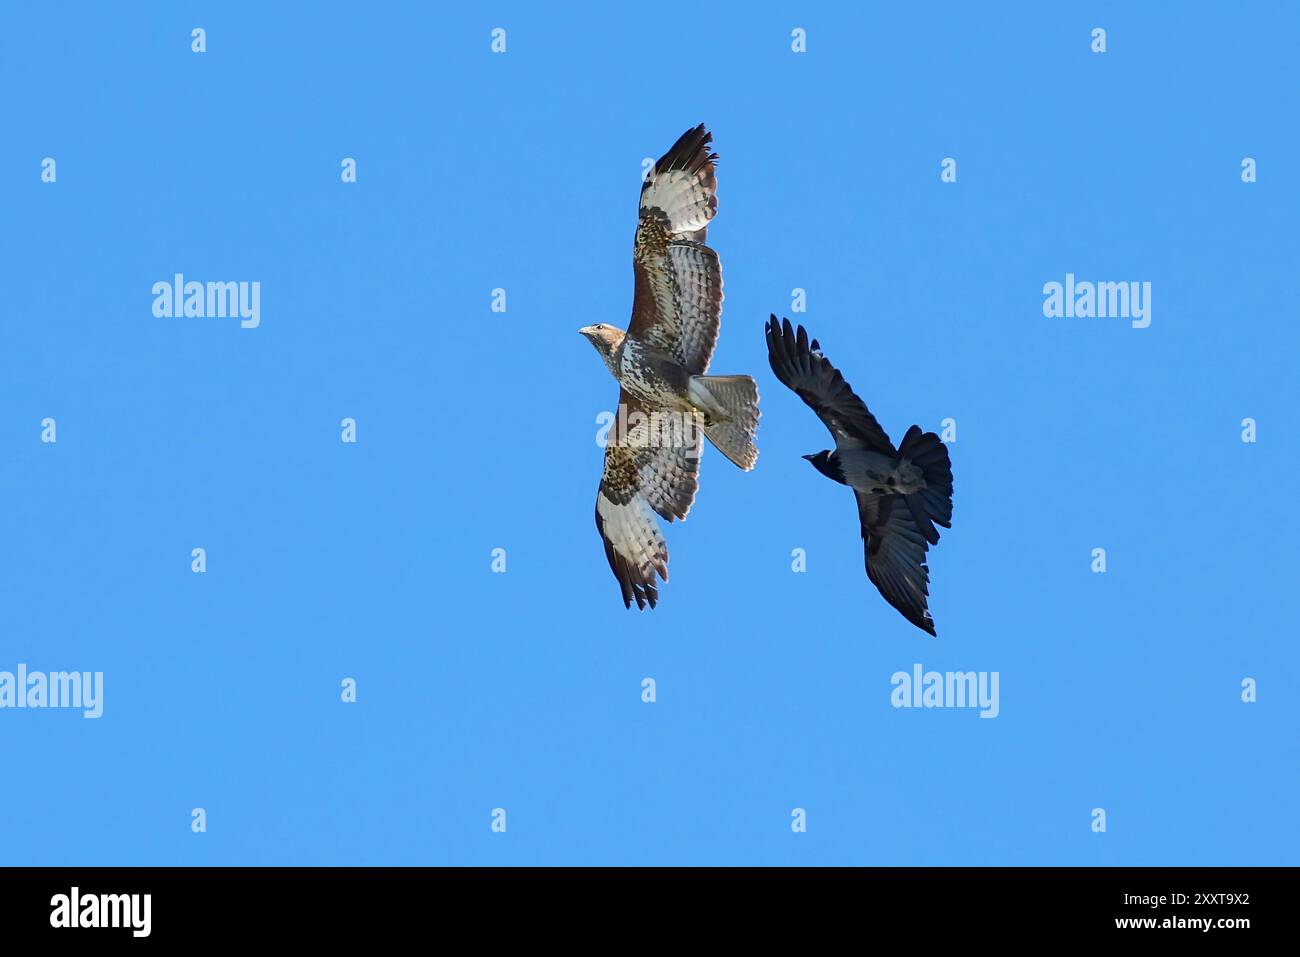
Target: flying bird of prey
(652, 455)
(902, 492)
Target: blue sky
(476, 430)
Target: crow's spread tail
(933, 504)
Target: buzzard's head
(605, 338)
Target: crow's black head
(830, 467)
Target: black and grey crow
(902, 492)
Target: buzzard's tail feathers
(683, 185)
(732, 407)
(927, 452)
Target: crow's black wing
(810, 375)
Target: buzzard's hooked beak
(585, 331)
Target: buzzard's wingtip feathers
(680, 195)
(691, 152)
(636, 582)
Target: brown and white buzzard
(652, 456)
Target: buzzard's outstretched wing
(803, 368)
(895, 551)
(651, 466)
(678, 301)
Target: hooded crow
(902, 492)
